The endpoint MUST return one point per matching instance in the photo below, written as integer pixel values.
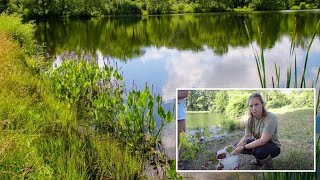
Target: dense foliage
(54, 8)
(235, 103)
(72, 122)
(127, 37)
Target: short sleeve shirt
(267, 124)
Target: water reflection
(210, 50)
(125, 37)
(168, 69)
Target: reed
(307, 57)
(260, 61)
(261, 71)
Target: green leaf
(214, 160)
(229, 149)
(169, 116)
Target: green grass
(296, 135)
(40, 136)
(72, 122)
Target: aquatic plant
(259, 58)
(261, 71)
(96, 95)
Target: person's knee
(275, 153)
(260, 153)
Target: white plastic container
(227, 161)
(230, 163)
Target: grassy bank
(296, 134)
(67, 123)
(40, 135)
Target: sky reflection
(167, 69)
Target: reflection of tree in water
(125, 37)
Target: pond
(205, 123)
(194, 50)
(203, 119)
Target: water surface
(197, 50)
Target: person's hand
(238, 150)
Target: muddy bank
(207, 148)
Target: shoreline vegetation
(92, 8)
(71, 122)
(48, 128)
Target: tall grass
(41, 137)
(260, 62)
(307, 57)
(261, 71)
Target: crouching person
(263, 126)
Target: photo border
(243, 89)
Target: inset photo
(245, 130)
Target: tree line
(125, 37)
(235, 103)
(89, 8)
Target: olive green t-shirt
(267, 124)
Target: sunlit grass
(40, 136)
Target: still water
(196, 50)
(204, 119)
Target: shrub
(220, 102)
(22, 33)
(159, 7)
(229, 124)
(178, 8)
(295, 7)
(190, 8)
(268, 5)
(302, 99)
(243, 9)
(277, 102)
(237, 106)
(302, 5)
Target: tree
(237, 105)
(276, 99)
(220, 102)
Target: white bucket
(227, 161)
(230, 163)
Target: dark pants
(263, 151)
